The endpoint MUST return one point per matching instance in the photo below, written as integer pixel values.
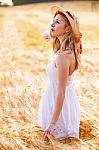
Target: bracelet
(52, 123)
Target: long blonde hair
(69, 43)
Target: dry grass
(90, 33)
(1, 21)
(32, 35)
(23, 81)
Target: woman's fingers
(46, 133)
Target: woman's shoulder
(62, 57)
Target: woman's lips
(52, 29)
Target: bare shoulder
(62, 58)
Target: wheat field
(24, 56)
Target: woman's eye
(57, 21)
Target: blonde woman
(59, 108)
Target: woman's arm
(62, 64)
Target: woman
(59, 109)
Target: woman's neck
(61, 38)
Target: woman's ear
(68, 28)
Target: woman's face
(58, 27)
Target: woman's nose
(52, 25)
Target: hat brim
(75, 27)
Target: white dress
(69, 119)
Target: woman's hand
(48, 130)
(46, 36)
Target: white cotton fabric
(69, 119)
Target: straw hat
(72, 19)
